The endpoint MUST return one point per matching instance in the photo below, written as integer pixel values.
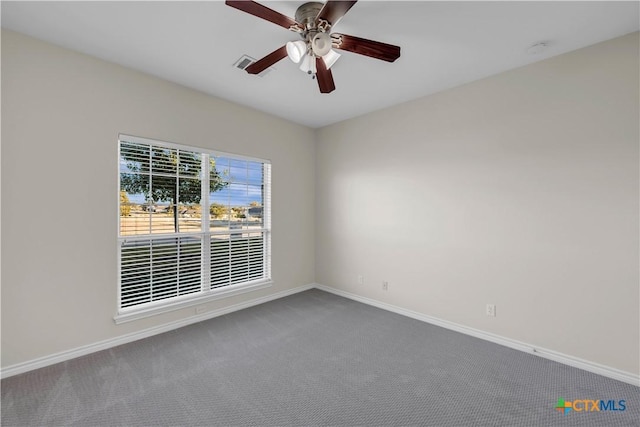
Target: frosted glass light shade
(321, 44)
(308, 64)
(330, 58)
(296, 50)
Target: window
(193, 225)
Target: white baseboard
(576, 362)
(62, 356)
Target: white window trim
(128, 314)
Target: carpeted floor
(311, 359)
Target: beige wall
(61, 115)
(519, 190)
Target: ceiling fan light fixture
(321, 44)
(309, 64)
(296, 50)
(330, 58)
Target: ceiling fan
(313, 22)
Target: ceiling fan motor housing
(307, 13)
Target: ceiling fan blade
(378, 50)
(333, 10)
(266, 62)
(324, 77)
(256, 9)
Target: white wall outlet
(360, 279)
(385, 285)
(491, 310)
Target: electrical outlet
(491, 310)
(360, 279)
(385, 285)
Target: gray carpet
(310, 359)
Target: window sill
(226, 292)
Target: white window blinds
(191, 222)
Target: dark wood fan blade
(378, 50)
(266, 62)
(324, 76)
(333, 10)
(256, 9)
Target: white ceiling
(444, 44)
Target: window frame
(206, 293)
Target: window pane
(239, 204)
(164, 269)
(219, 170)
(164, 160)
(163, 188)
(189, 163)
(161, 208)
(190, 266)
(135, 273)
(237, 258)
(219, 217)
(254, 173)
(238, 194)
(189, 190)
(255, 206)
(189, 218)
(189, 210)
(163, 220)
(134, 158)
(220, 260)
(237, 170)
(156, 269)
(256, 256)
(219, 194)
(134, 215)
